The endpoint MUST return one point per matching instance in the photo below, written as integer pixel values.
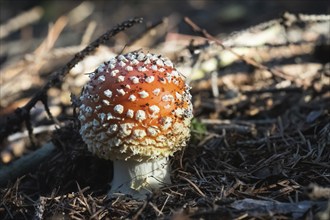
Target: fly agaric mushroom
(136, 110)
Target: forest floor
(260, 137)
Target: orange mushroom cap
(136, 106)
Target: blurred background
(216, 16)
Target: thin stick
(194, 186)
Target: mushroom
(136, 111)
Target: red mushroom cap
(136, 106)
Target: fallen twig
(259, 208)
(25, 164)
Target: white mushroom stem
(139, 178)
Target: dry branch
(13, 122)
(247, 60)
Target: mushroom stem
(139, 178)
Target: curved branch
(13, 122)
